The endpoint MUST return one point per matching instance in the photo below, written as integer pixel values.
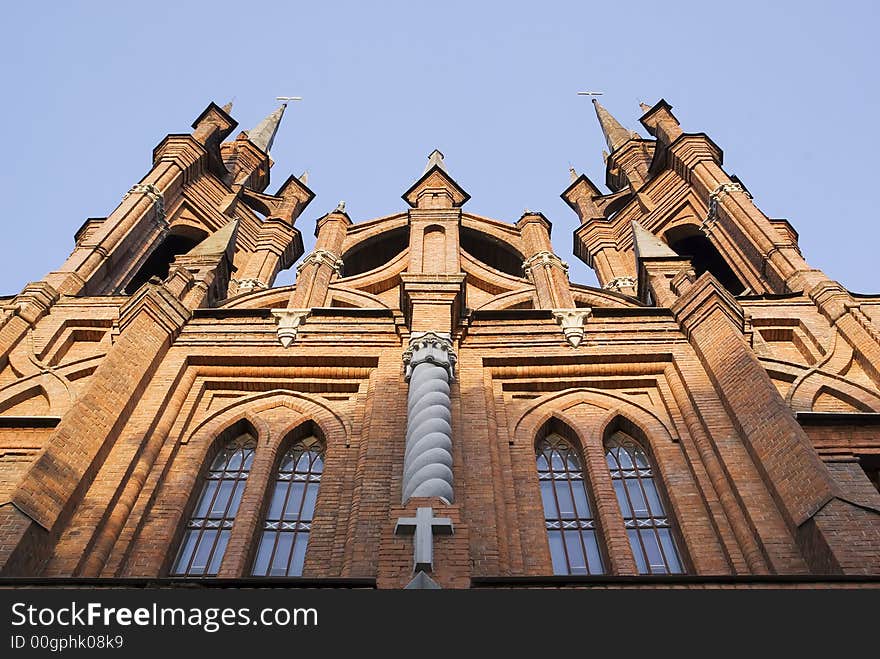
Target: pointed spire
(436, 158)
(644, 106)
(227, 108)
(572, 173)
(219, 242)
(615, 134)
(304, 177)
(264, 134)
(647, 245)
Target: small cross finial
(286, 99)
(590, 94)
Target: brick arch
(271, 298)
(808, 387)
(331, 423)
(359, 299)
(644, 429)
(544, 408)
(52, 387)
(510, 300)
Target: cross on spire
(424, 525)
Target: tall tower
(85, 341)
(679, 233)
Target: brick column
(323, 264)
(546, 271)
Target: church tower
(433, 403)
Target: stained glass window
(647, 524)
(568, 515)
(207, 531)
(285, 536)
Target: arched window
(647, 524)
(207, 531)
(568, 515)
(285, 537)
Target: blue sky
(789, 90)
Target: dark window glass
(647, 525)
(568, 515)
(285, 536)
(207, 531)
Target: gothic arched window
(568, 515)
(285, 535)
(207, 531)
(647, 524)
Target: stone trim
(322, 257)
(544, 259)
(572, 323)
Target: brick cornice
(704, 297)
(689, 150)
(154, 300)
(35, 300)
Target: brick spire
(264, 134)
(615, 134)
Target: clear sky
(789, 91)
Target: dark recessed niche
(491, 251)
(375, 252)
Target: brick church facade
(434, 403)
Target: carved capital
(620, 282)
(289, 321)
(322, 257)
(429, 347)
(544, 259)
(153, 193)
(714, 198)
(248, 284)
(572, 323)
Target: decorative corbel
(289, 321)
(572, 323)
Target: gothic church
(433, 403)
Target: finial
(604, 155)
(644, 106)
(573, 174)
(340, 207)
(227, 108)
(304, 177)
(435, 158)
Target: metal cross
(424, 525)
(286, 99)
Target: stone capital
(544, 259)
(322, 257)
(430, 347)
